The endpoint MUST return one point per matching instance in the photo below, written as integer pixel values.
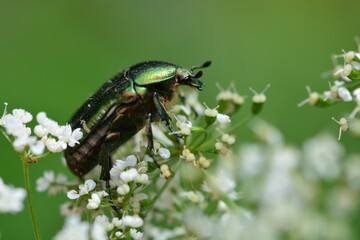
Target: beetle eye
(182, 78)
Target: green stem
(29, 198)
(42, 156)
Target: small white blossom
(40, 131)
(164, 153)
(88, 186)
(103, 220)
(117, 222)
(98, 232)
(194, 197)
(135, 234)
(120, 165)
(15, 127)
(211, 112)
(129, 175)
(132, 221)
(68, 136)
(74, 229)
(22, 115)
(344, 94)
(44, 183)
(123, 189)
(119, 234)
(356, 94)
(93, 202)
(102, 194)
(73, 194)
(54, 146)
(223, 119)
(142, 178)
(11, 199)
(37, 148)
(85, 188)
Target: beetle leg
(163, 115)
(150, 145)
(106, 165)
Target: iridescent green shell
(151, 72)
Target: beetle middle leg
(149, 134)
(163, 114)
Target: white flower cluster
(222, 119)
(11, 199)
(48, 133)
(51, 182)
(120, 226)
(75, 229)
(124, 172)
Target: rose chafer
(131, 100)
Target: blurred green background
(54, 54)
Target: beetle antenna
(198, 74)
(204, 65)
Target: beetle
(122, 106)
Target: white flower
(211, 112)
(142, 178)
(14, 126)
(132, 221)
(194, 197)
(135, 234)
(52, 126)
(98, 232)
(119, 234)
(54, 146)
(22, 115)
(322, 156)
(123, 189)
(43, 183)
(88, 186)
(120, 165)
(102, 219)
(85, 188)
(68, 136)
(73, 194)
(40, 131)
(344, 94)
(93, 202)
(223, 119)
(356, 94)
(117, 222)
(11, 199)
(164, 153)
(74, 229)
(102, 194)
(37, 148)
(129, 175)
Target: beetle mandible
(122, 106)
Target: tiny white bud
(223, 119)
(164, 153)
(123, 189)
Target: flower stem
(29, 198)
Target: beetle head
(187, 77)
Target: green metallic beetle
(120, 108)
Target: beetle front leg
(150, 145)
(163, 114)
